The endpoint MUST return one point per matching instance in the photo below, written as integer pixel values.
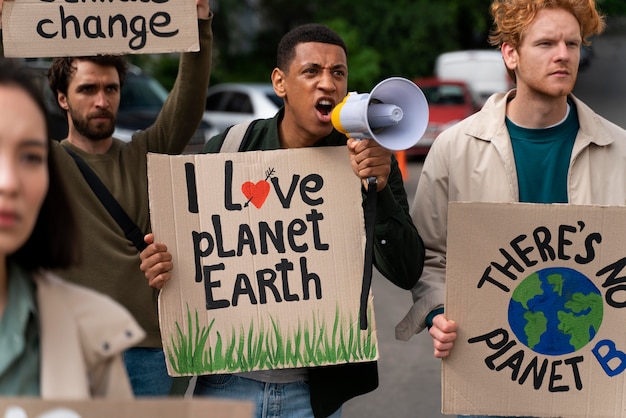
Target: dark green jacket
(398, 255)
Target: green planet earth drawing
(556, 311)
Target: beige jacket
(83, 334)
(473, 162)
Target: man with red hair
(536, 143)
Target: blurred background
(385, 38)
(442, 46)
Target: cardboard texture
(539, 294)
(268, 252)
(57, 28)
(140, 408)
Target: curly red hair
(512, 17)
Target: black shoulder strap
(370, 224)
(131, 231)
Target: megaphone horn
(394, 114)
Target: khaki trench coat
(473, 162)
(83, 335)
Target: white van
(483, 70)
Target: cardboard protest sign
(539, 295)
(140, 408)
(268, 252)
(57, 28)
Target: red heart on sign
(256, 193)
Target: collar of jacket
(482, 126)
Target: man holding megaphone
(311, 77)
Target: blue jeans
(272, 400)
(148, 373)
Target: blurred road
(410, 380)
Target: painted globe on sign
(556, 311)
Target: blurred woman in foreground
(57, 340)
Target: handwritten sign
(268, 251)
(52, 28)
(539, 294)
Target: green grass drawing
(261, 349)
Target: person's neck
(91, 146)
(536, 112)
(292, 137)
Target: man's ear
(62, 100)
(278, 81)
(510, 56)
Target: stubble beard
(94, 133)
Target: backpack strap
(131, 230)
(236, 136)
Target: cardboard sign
(539, 295)
(140, 408)
(268, 252)
(57, 28)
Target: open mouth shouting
(324, 108)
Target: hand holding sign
(443, 333)
(156, 263)
(203, 9)
(269, 273)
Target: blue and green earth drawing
(555, 311)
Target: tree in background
(612, 7)
(400, 38)
(385, 38)
(409, 34)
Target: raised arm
(182, 111)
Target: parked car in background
(449, 101)
(483, 70)
(142, 97)
(228, 104)
(57, 124)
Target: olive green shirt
(110, 262)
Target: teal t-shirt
(542, 158)
(19, 337)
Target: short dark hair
(54, 240)
(310, 32)
(62, 68)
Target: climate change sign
(268, 252)
(539, 294)
(53, 28)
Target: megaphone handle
(370, 222)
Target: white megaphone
(394, 114)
